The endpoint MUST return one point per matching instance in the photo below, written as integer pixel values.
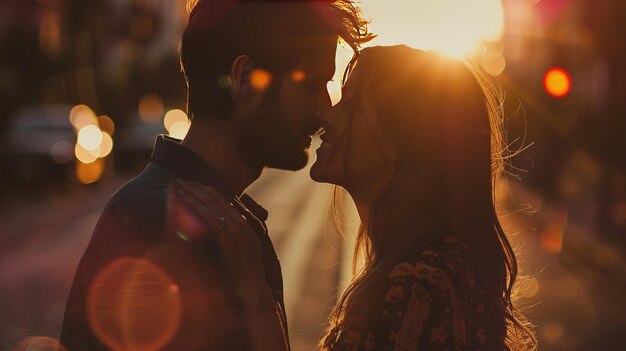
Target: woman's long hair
(444, 120)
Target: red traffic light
(557, 82)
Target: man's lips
(327, 141)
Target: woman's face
(353, 154)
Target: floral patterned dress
(430, 302)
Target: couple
(415, 140)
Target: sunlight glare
(454, 27)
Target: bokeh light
(106, 124)
(176, 123)
(82, 116)
(84, 155)
(174, 116)
(90, 137)
(493, 63)
(91, 172)
(260, 79)
(557, 82)
(298, 75)
(132, 305)
(552, 235)
(529, 287)
(106, 146)
(552, 330)
(61, 152)
(151, 108)
(179, 130)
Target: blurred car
(38, 145)
(134, 143)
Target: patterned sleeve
(419, 309)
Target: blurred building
(578, 152)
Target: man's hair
(273, 33)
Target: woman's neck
(365, 196)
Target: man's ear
(241, 88)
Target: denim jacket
(141, 285)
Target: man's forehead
(321, 60)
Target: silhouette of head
(260, 69)
(412, 114)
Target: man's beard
(265, 141)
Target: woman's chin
(319, 174)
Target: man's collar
(170, 154)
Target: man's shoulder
(147, 194)
(135, 216)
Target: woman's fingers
(242, 248)
(212, 199)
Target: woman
(416, 141)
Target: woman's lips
(327, 141)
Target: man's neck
(218, 150)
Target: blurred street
(565, 295)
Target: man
(256, 75)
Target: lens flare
(134, 305)
(39, 343)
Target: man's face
(279, 136)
